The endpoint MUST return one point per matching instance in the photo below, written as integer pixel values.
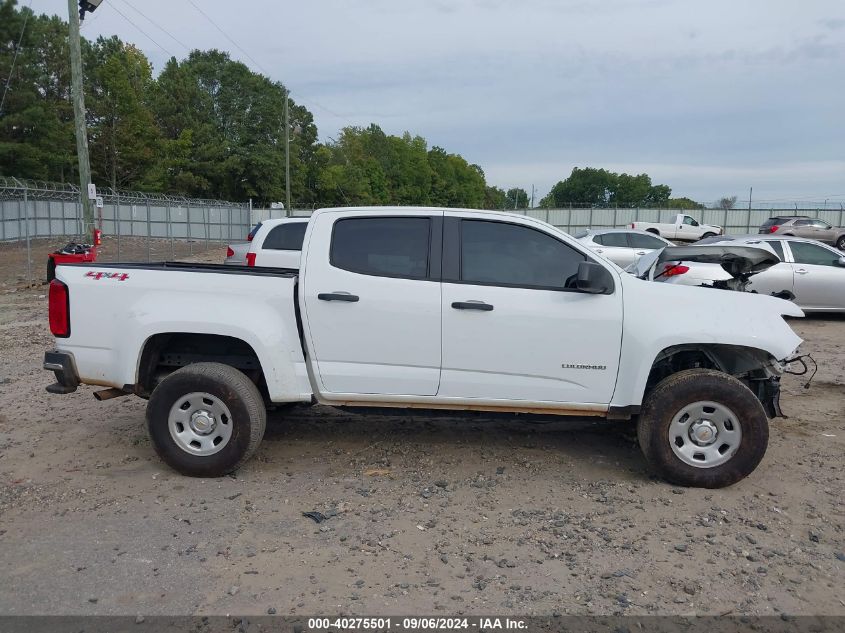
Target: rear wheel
(701, 427)
(654, 231)
(840, 243)
(206, 419)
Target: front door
(371, 290)
(513, 328)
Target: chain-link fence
(37, 217)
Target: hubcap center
(703, 432)
(202, 422)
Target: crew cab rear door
(513, 327)
(370, 286)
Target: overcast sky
(707, 97)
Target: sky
(711, 98)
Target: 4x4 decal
(104, 275)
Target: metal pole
(170, 231)
(149, 238)
(206, 218)
(117, 221)
(28, 248)
(79, 113)
(190, 241)
(287, 153)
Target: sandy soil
(426, 515)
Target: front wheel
(703, 428)
(708, 234)
(206, 419)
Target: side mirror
(593, 278)
(841, 261)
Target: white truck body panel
(402, 343)
(111, 321)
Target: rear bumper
(64, 367)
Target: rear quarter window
(285, 237)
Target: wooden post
(79, 115)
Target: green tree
(516, 198)
(36, 124)
(684, 204)
(601, 188)
(495, 198)
(123, 137)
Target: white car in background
(236, 252)
(621, 246)
(277, 243)
(811, 273)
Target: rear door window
(615, 239)
(383, 246)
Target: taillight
(677, 269)
(773, 228)
(250, 259)
(229, 252)
(59, 309)
(249, 237)
(632, 225)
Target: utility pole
(79, 115)
(750, 190)
(287, 153)
(532, 196)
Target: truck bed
(197, 267)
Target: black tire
(840, 243)
(706, 235)
(677, 391)
(237, 392)
(653, 231)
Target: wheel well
(748, 364)
(655, 231)
(165, 353)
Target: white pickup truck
(426, 308)
(685, 227)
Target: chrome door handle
(599, 250)
(802, 271)
(640, 252)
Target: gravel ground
(425, 515)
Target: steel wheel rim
(705, 434)
(200, 423)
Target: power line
(125, 17)
(252, 59)
(157, 25)
(15, 57)
(234, 43)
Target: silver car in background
(621, 246)
(812, 272)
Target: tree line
(209, 127)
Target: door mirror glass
(593, 278)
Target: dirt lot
(426, 515)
